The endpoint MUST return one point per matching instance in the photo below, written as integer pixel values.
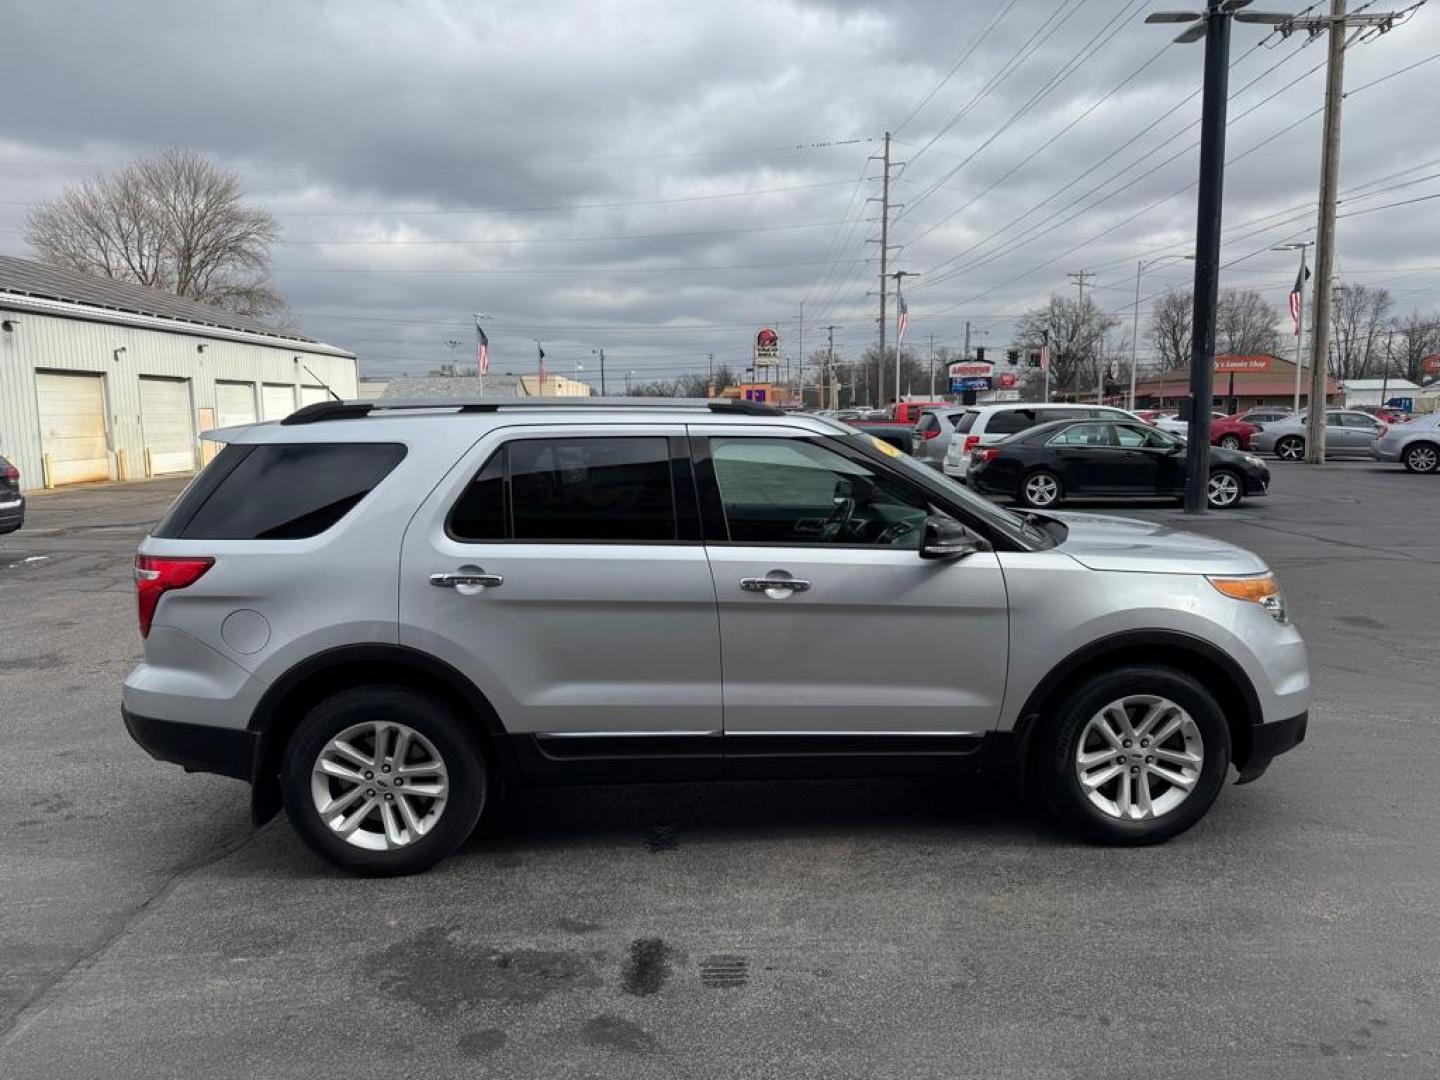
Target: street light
(1213, 26)
(1135, 328)
(600, 353)
(1299, 321)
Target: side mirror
(946, 538)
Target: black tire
(1421, 457)
(456, 746)
(1230, 442)
(1290, 448)
(1043, 475)
(1226, 499)
(1057, 748)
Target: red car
(1231, 433)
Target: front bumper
(1384, 453)
(1269, 741)
(196, 747)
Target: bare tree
(1358, 328)
(1245, 324)
(1417, 336)
(173, 221)
(1170, 330)
(1076, 333)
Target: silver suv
(378, 614)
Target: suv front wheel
(1135, 756)
(383, 780)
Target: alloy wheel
(1422, 458)
(1139, 757)
(1223, 490)
(1290, 450)
(1230, 442)
(1041, 489)
(379, 786)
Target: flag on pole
(901, 319)
(541, 351)
(482, 350)
(1298, 292)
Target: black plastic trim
(616, 759)
(1269, 741)
(196, 747)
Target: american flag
(482, 350)
(901, 319)
(1298, 292)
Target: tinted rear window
(278, 491)
(966, 421)
(1009, 421)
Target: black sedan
(12, 503)
(1105, 459)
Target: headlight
(1260, 589)
(1251, 459)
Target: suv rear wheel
(383, 780)
(1135, 756)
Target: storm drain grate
(724, 972)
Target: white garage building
(104, 380)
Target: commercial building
(495, 385)
(105, 380)
(1241, 382)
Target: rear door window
(278, 491)
(612, 489)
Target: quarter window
(1009, 421)
(790, 491)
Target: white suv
(983, 425)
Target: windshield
(1019, 526)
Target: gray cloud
(373, 128)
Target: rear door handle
(452, 580)
(774, 584)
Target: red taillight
(927, 435)
(10, 472)
(990, 453)
(971, 441)
(155, 575)
(1383, 430)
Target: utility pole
(1080, 277)
(829, 393)
(800, 364)
(932, 367)
(901, 317)
(1325, 236)
(966, 355)
(601, 353)
(885, 207)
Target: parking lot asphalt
(833, 929)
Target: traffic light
(979, 354)
(1012, 356)
(1032, 358)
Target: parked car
(933, 433)
(12, 503)
(431, 604)
(1416, 444)
(1346, 432)
(1088, 459)
(1175, 426)
(909, 412)
(1150, 416)
(1383, 414)
(1265, 415)
(985, 424)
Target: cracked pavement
(806, 929)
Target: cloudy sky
(659, 179)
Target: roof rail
(354, 410)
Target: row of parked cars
(1042, 453)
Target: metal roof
(25, 277)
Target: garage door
(72, 426)
(276, 402)
(309, 395)
(167, 425)
(234, 403)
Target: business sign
(1225, 364)
(977, 383)
(1431, 364)
(767, 346)
(1008, 380)
(971, 369)
(1006, 395)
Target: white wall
(43, 341)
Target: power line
(994, 21)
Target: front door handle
(774, 586)
(455, 580)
